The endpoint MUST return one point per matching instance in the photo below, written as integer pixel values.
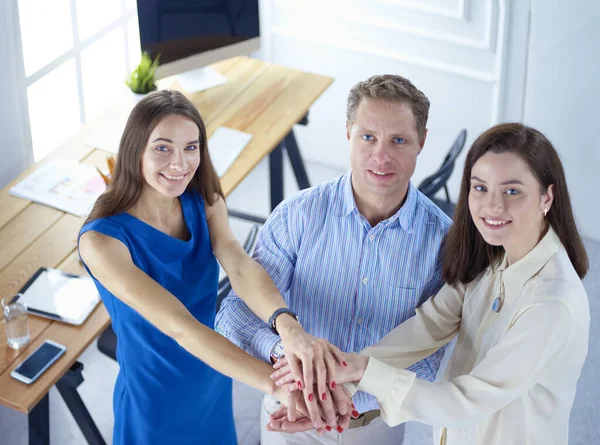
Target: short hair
(392, 88)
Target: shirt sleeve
(434, 324)
(431, 362)
(276, 252)
(510, 368)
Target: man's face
(384, 145)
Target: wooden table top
(262, 99)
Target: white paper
(66, 185)
(73, 298)
(200, 79)
(224, 146)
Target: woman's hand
(290, 399)
(312, 364)
(281, 422)
(352, 371)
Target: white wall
(458, 52)
(563, 96)
(15, 141)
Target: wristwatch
(277, 313)
(277, 352)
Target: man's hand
(312, 363)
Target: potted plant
(141, 80)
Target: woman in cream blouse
(513, 266)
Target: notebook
(224, 147)
(61, 296)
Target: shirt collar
(516, 275)
(348, 203)
(405, 216)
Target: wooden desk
(263, 99)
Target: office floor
(100, 372)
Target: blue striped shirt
(349, 283)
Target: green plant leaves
(141, 80)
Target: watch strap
(273, 319)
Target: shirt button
(365, 280)
(372, 237)
(359, 321)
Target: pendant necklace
(499, 301)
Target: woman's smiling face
(507, 204)
(172, 155)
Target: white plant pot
(136, 97)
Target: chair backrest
(251, 239)
(433, 183)
(224, 286)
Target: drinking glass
(15, 318)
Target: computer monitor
(190, 34)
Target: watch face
(278, 351)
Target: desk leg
(291, 146)
(276, 168)
(67, 387)
(276, 176)
(39, 423)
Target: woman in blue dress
(151, 244)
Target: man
(355, 256)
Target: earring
(545, 212)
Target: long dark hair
(127, 182)
(465, 252)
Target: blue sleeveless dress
(163, 394)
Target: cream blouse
(511, 379)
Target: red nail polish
(333, 385)
(328, 428)
(324, 396)
(299, 385)
(355, 413)
(353, 407)
(340, 429)
(310, 397)
(344, 363)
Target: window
(76, 56)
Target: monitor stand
(200, 79)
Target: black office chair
(224, 285)
(107, 342)
(435, 182)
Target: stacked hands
(310, 386)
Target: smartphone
(38, 361)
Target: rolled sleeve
(262, 344)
